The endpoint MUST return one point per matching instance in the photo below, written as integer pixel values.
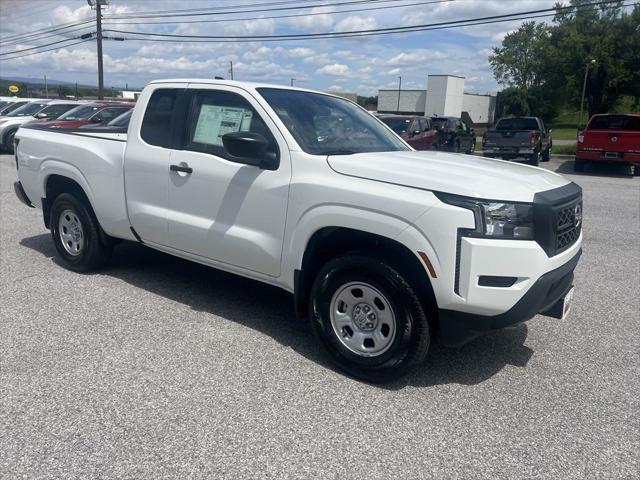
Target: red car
(418, 132)
(91, 113)
(610, 138)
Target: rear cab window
(517, 124)
(615, 122)
(156, 125)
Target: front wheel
(9, 141)
(368, 318)
(79, 241)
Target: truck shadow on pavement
(269, 310)
(615, 170)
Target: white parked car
(383, 247)
(37, 110)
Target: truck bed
(93, 159)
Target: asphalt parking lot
(159, 368)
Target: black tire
(636, 170)
(546, 155)
(409, 345)
(578, 165)
(8, 140)
(456, 146)
(96, 246)
(534, 159)
(472, 147)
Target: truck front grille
(558, 218)
(568, 226)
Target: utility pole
(46, 88)
(584, 88)
(292, 81)
(76, 90)
(399, 90)
(98, 5)
(231, 69)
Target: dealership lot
(156, 367)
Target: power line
(48, 50)
(45, 30)
(45, 36)
(39, 46)
(308, 14)
(298, 7)
(262, 4)
(302, 36)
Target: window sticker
(214, 121)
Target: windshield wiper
(337, 152)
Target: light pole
(399, 89)
(292, 80)
(584, 88)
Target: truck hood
(458, 174)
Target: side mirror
(41, 116)
(96, 119)
(550, 130)
(251, 149)
(416, 132)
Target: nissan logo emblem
(577, 215)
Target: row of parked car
(60, 114)
(433, 133)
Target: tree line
(543, 66)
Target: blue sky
(356, 65)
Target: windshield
(27, 109)
(11, 107)
(121, 120)
(398, 125)
(517, 124)
(326, 125)
(79, 113)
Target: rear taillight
(580, 137)
(534, 137)
(484, 139)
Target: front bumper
(457, 328)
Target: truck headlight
(495, 219)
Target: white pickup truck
(383, 247)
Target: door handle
(181, 168)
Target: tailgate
(611, 140)
(509, 138)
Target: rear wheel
(79, 240)
(546, 155)
(578, 165)
(472, 148)
(368, 318)
(534, 159)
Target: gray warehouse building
(444, 96)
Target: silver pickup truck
(524, 138)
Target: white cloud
(320, 20)
(337, 69)
(356, 22)
(301, 52)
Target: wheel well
(57, 184)
(331, 242)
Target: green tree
(517, 62)
(549, 62)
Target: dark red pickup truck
(610, 138)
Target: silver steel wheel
(362, 319)
(71, 233)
